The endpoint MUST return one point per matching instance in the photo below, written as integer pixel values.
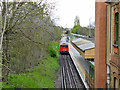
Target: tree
(26, 26)
(76, 21)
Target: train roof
(63, 43)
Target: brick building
(107, 44)
(113, 42)
(100, 45)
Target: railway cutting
(69, 77)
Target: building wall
(100, 45)
(108, 36)
(114, 73)
(114, 58)
(104, 49)
(108, 41)
(119, 28)
(112, 30)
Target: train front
(64, 49)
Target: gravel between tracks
(66, 62)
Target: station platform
(80, 63)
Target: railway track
(69, 75)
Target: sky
(67, 10)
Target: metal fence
(89, 80)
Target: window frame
(116, 30)
(116, 27)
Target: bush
(53, 49)
(75, 29)
(42, 76)
(52, 52)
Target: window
(116, 27)
(116, 35)
(64, 46)
(119, 83)
(115, 82)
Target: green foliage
(29, 30)
(42, 76)
(31, 37)
(52, 50)
(75, 29)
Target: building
(107, 44)
(113, 42)
(100, 45)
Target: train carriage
(64, 48)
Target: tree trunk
(5, 58)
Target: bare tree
(27, 31)
(76, 21)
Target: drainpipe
(108, 77)
(108, 67)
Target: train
(64, 48)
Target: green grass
(42, 76)
(0, 68)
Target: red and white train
(64, 48)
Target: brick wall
(100, 45)
(112, 30)
(108, 36)
(114, 70)
(115, 59)
(119, 28)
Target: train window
(66, 46)
(63, 46)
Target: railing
(89, 80)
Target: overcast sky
(67, 10)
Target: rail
(69, 78)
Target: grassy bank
(43, 76)
(0, 68)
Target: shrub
(53, 49)
(75, 29)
